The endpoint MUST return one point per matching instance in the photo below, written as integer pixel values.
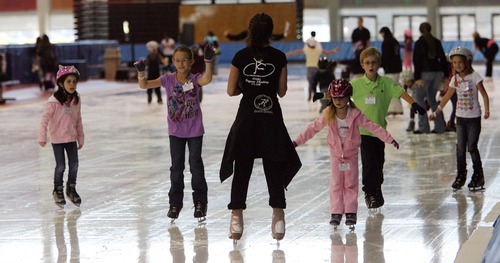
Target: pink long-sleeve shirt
(352, 140)
(64, 122)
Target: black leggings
(274, 178)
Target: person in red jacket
(343, 119)
(63, 119)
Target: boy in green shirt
(372, 94)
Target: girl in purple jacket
(343, 119)
(63, 119)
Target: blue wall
(89, 55)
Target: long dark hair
(61, 95)
(260, 29)
(387, 33)
(425, 29)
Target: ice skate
(350, 220)
(278, 224)
(236, 226)
(73, 195)
(335, 220)
(374, 200)
(477, 181)
(58, 195)
(459, 181)
(200, 211)
(411, 126)
(173, 212)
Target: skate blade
(477, 189)
(60, 205)
(351, 227)
(201, 219)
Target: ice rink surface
(123, 180)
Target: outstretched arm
(294, 52)
(443, 102)
(331, 51)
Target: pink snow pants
(344, 185)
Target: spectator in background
(431, 66)
(46, 63)
(408, 51)
(167, 49)
(153, 62)
(360, 37)
(392, 65)
(489, 48)
(312, 50)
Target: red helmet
(65, 70)
(339, 88)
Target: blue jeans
(432, 81)
(468, 130)
(198, 181)
(71, 149)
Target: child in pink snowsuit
(343, 119)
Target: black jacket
(424, 62)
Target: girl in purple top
(185, 126)
(62, 118)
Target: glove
(208, 53)
(318, 96)
(140, 65)
(294, 144)
(417, 108)
(395, 143)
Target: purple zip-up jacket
(64, 122)
(352, 141)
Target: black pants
(490, 55)
(157, 91)
(274, 178)
(372, 158)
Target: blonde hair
(331, 111)
(371, 51)
(152, 45)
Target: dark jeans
(372, 159)
(71, 149)
(468, 130)
(274, 178)
(198, 181)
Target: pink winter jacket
(64, 123)
(352, 141)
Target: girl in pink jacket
(64, 122)
(343, 119)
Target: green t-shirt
(373, 98)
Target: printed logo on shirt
(257, 72)
(263, 104)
